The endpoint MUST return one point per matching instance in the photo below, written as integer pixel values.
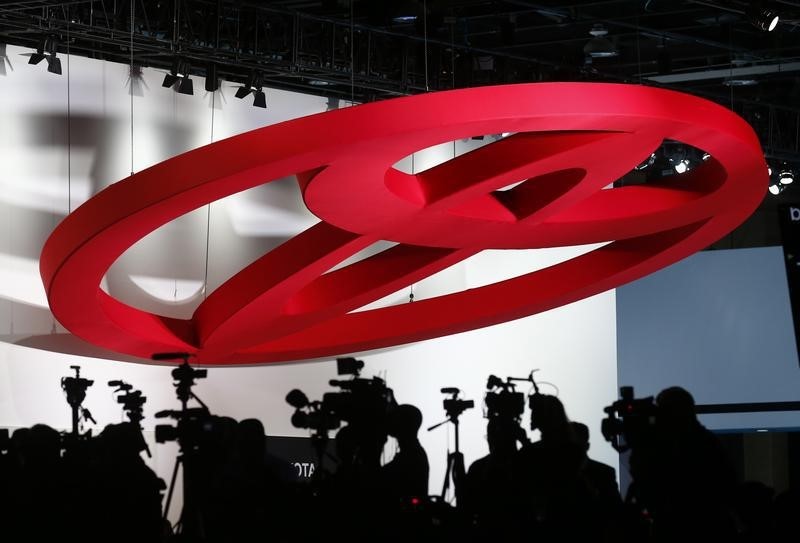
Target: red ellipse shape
(570, 141)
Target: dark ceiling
(370, 50)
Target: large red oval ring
(87, 242)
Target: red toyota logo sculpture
(570, 141)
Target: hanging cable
(132, 76)
(208, 206)
(352, 57)
(69, 132)
(425, 39)
(638, 51)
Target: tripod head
(453, 406)
(75, 387)
(131, 400)
(184, 377)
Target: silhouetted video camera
(311, 415)
(629, 421)
(132, 400)
(502, 399)
(361, 402)
(75, 387)
(454, 406)
(195, 428)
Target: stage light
(647, 163)
(54, 64)
(39, 55)
(779, 182)
(600, 46)
(178, 78)
(47, 50)
(186, 86)
(253, 85)
(212, 80)
(776, 188)
(259, 99)
(762, 16)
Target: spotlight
(39, 55)
(54, 64)
(600, 46)
(178, 78)
(647, 163)
(259, 99)
(762, 17)
(405, 12)
(253, 85)
(186, 86)
(779, 182)
(212, 81)
(47, 51)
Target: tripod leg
(171, 486)
(447, 471)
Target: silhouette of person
(488, 499)
(682, 475)
(554, 495)
(256, 482)
(602, 478)
(127, 493)
(406, 475)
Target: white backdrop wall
(62, 139)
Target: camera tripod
(191, 526)
(455, 470)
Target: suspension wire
(208, 206)
(425, 39)
(352, 57)
(638, 50)
(132, 75)
(411, 287)
(69, 131)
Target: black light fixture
(786, 175)
(178, 78)
(762, 16)
(212, 80)
(53, 62)
(253, 85)
(46, 50)
(600, 46)
(39, 55)
(780, 178)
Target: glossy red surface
(570, 141)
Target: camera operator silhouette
(555, 499)
(254, 488)
(406, 475)
(681, 474)
(602, 478)
(38, 486)
(126, 492)
(489, 486)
